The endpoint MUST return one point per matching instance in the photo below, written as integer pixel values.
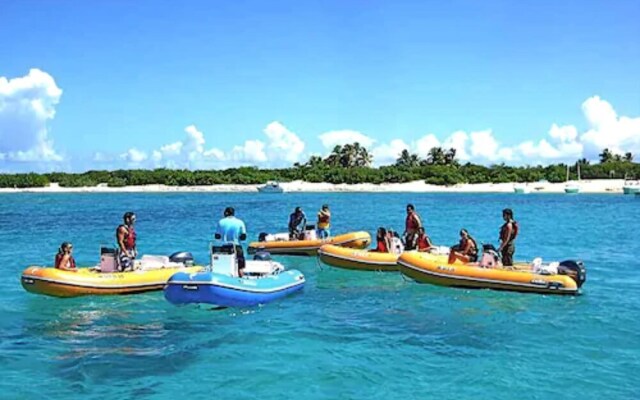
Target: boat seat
(260, 267)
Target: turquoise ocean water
(348, 335)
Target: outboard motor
(574, 269)
(262, 256)
(184, 257)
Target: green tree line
(350, 164)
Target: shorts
(507, 255)
(323, 233)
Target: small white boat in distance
(271, 187)
(631, 187)
(521, 188)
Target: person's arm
(242, 231)
(304, 221)
(417, 219)
(121, 233)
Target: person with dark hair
(465, 251)
(412, 224)
(324, 222)
(382, 241)
(231, 231)
(423, 242)
(126, 239)
(297, 223)
(508, 234)
(64, 260)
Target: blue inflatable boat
(263, 280)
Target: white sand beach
(586, 186)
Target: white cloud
(458, 141)
(339, 138)
(484, 145)
(283, 144)
(134, 156)
(188, 153)
(618, 134)
(252, 151)
(426, 143)
(388, 153)
(27, 104)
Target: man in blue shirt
(231, 231)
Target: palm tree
(314, 161)
(407, 159)
(606, 156)
(363, 157)
(628, 157)
(582, 161)
(436, 156)
(450, 157)
(333, 160)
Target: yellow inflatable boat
(556, 278)
(151, 273)
(355, 259)
(279, 243)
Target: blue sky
(135, 75)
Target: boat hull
(227, 291)
(425, 269)
(359, 260)
(60, 283)
(355, 240)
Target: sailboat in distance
(572, 187)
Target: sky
(217, 84)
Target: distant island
(348, 164)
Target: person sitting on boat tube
(412, 224)
(382, 241)
(465, 251)
(231, 231)
(508, 234)
(324, 222)
(126, 239)
(297, 223)
(423, 242)
(64, 260)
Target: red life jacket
(129, 237)
(514, 231)
(382, 246)
(411, 223)
(423, 242)
(58, 260)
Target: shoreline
(609, 186)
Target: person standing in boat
(465, 251)
(324, 222)
(297, 223)
(508, 234)
(231, 231)
(126, 239)
(64, 260)
(412, 224)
